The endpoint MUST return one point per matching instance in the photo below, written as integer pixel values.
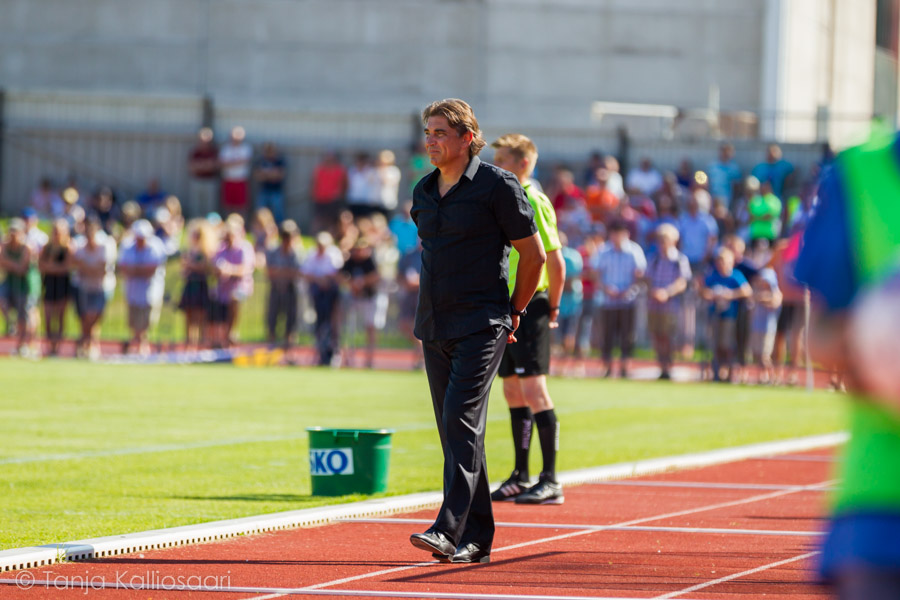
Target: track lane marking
(706, 485)
(278, 592)
(564, 536)
(577, 526)
(728, 578)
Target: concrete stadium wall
(519, 62)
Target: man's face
(444, 144)
(618, 238)
(773, 153)
(507, 161)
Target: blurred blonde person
(95, 265)
(196, 267)
(55, 264)
(264, 231)
(233, 267)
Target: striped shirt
(620, 269)
(663, 271)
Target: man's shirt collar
(472, 169)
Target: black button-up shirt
(465, 249)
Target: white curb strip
(37, 556)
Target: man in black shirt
(468, 215)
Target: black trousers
(460, 372)
(618, 324)
(325, 300)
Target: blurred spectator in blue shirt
(404, 229)
(724, 174)
(619, 267)
(775, 170)
(151, 198)
(271, 173)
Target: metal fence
(124, 142)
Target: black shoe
(471, 553)
(510, 489)
(664, 376)
(623, 373)
(435, 542)
(544, 491)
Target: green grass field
(91, 450)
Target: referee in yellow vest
(525, 364)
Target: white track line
(177, 447)
(825, 459)
(705, 485)
(610, 527)
(36, 556)
(55, 584)
(564, 536)
(713, 582)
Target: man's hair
(460, 116)
(518, 145)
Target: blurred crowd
(694, 263)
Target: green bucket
(349, 461)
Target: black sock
(548, 432)
(522, 423)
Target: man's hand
(511, 336)
(660, 295)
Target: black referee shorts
(530, 355)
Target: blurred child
(723, 288)
(764, 322)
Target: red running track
(738, 531)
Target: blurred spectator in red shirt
(329, 184)
(235, 159)
(203, 164)
(600, 200)
(562, 187)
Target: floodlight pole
(2, 141)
